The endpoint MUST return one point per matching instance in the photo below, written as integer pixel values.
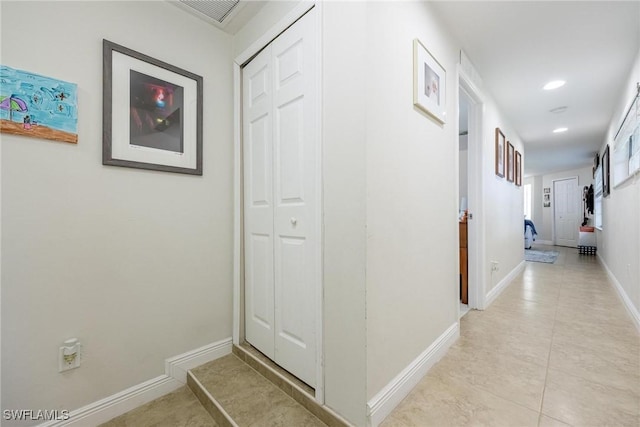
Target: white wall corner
(503, 284)
(117, 404)
(381, 405)
(177, 367)
(628, 304)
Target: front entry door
(566, 212)
(281, 232)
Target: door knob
(294, 221)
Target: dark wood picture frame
(518, 169)
(501, 141)
(606, 184)
(186, 118)
(510, 165)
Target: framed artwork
(547, 204)
(510, 165)
(606, 184)
(547, 197)
(500, 152)
(547, 190)
(152, 113)
(38, 106)
(518, 169)
(429, 83)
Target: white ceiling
(518, 46)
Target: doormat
(548, 257)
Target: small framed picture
(429, 83)
(510, 165)
(547, 197)
(500, 152)
(152, 113)
(547, 190)
(547, 204)
(518, 169)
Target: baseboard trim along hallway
(381, 405)
(503, 284)
(117, 404)
(633, 311)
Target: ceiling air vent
(217, 10)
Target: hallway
(556, 348)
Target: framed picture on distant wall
(510, 168)
(606, 185)
(500, 147)
(429, 83)
(152, 113)
(518, 169)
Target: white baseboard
(177, 366)
(628, 304)
(544, 242)
(502, 285)
(381, 405)
(117, 404)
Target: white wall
(503, 202)
(136, 264)
(344, 41)
(619, 240)
(544, 225)
(412, 194)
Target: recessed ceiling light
(555, 84)
(559, 110)
(560, 130)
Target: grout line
(217, 404)
(553, 332)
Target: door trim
(238, 218)
(553, 211)
(476, 232)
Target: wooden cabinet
(464, 274)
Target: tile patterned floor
(178, 409)
(557, 348)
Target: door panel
(280, 130)
(566, 212)
(289, 143)
(295, 213)
(258, 203)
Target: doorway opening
(470, 205)
(463, 195)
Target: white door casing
(566, 202)
(281, 211)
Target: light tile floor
(178, 409)
(556, 348)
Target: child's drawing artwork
(38, 106)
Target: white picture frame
(429, 83)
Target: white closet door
(567, 211)
(295, 144)
(257, 109)
(281, 210)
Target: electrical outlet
(494, 266)
(69, 355)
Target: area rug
(548, 257)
